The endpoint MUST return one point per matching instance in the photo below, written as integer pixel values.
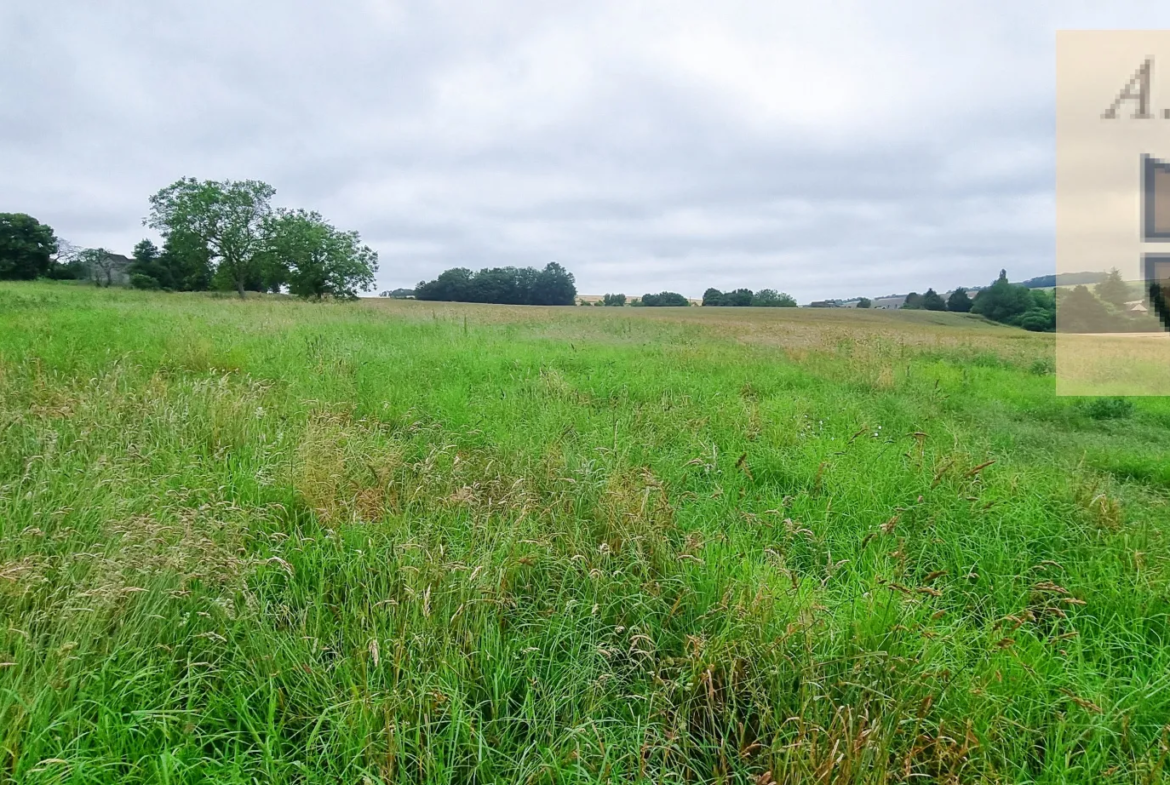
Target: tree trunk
(240, 287)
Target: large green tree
(188, 260)
(554, 286)
(27, 247)
(1081, 312)
(1003, 301)
(316, 259)
(933, 301)
(1113, 290)
(959, 301)
(228, 217)
(147, 270)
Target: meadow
(394, 541)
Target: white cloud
(828, 149)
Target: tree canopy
(768, 298)
(1113, 290)
(228, 217)
(663, 299)
(959, 301)
(553, 285)
(1002, 301)
(27, 247)
(933, 301)
(314, 258)
(1032, 309)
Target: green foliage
(767, 298)
(662, 299)
(142, 281)
(1113, 290)
(26, 247)
(277, 542)
(913, 302)
(502, 285)
(770, 298)
(554, 286)
(1081, 312)
(229, 218)
(959, 301)
(614, 300)
(187, 261)
(1109, 408)
(864, 302)
(1017, 305)
(315, 259)
(148, 267)
(933, 301)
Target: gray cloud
(827, 149)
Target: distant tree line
(661, 300)
(1102, 309)
(553, 285)
(1008, 303)
(216, 235)
(766, 298)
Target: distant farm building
(888, 303)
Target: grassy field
(392, 541)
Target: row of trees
(554, 285)
(231, 227)
(1032, 309)
(661, 300)
(712, 297)
(223, 235)
(959, 301)
(1101, 310)
(766, 298)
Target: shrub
(140, 281)
(1108, 408)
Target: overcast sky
(827, 149)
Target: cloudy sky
(827, 149)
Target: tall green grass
(280, 542)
